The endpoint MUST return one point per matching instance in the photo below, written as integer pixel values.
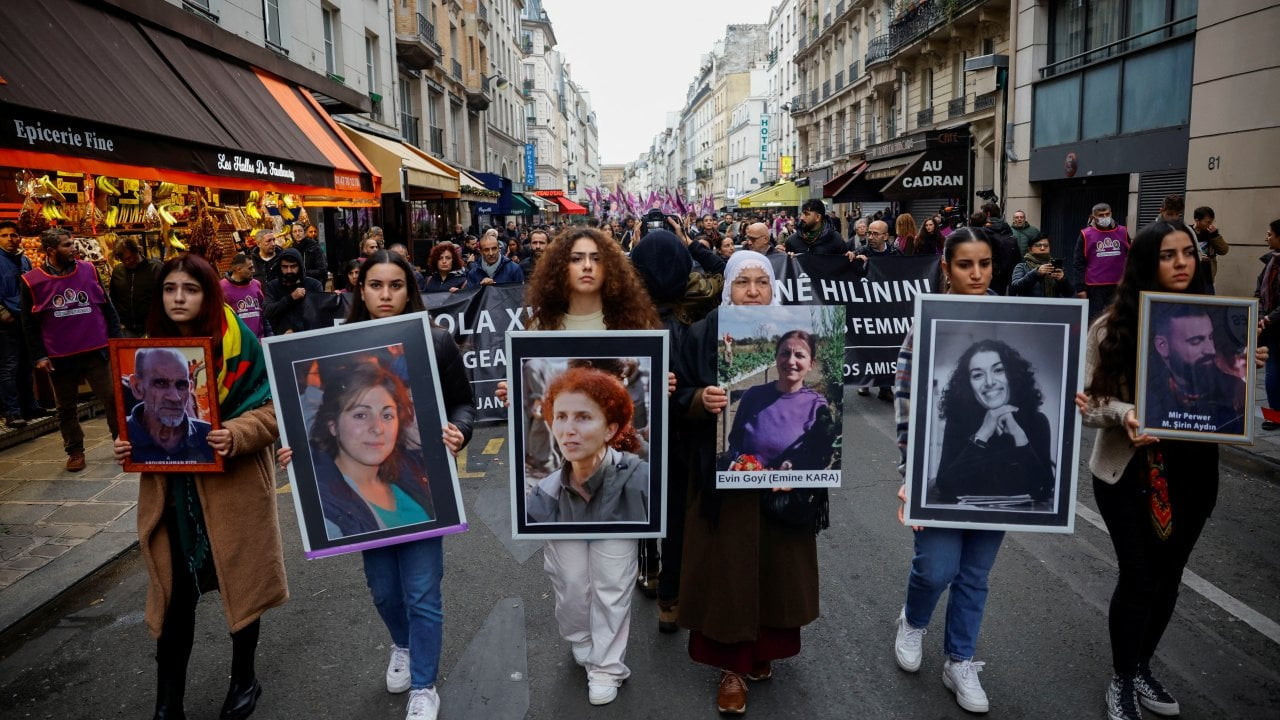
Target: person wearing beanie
(287, 292)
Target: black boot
(241, 700)
(171, 682)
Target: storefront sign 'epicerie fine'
(69, 136)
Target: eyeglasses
(165, 383)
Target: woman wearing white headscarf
(747, 584)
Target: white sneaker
(961, 677)
(582, 653)
(398, 677)
(424, 704)
(906, 646)
(601, 694)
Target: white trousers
(593, 581)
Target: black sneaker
(1122, 700)
(15, 422)
(1270, 425)
(1152, 694)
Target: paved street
(323, 654)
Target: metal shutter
(1152, 187)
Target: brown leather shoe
(75, 462)
(732, 697)
(668, 616)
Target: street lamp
(502, 80)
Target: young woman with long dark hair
(212, 531)
(404, 579)
(1154, 495)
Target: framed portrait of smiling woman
(165, 404)
(588, 434)
(993, 440)
(360, 406)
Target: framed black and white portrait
(1195, 367)
(994, 436)
(588, 432)
(360, 406)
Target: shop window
(1057, 112)
(1101, 102)
(1157, 89)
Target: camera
(1056, 262)
(953, 216)
(655, 219)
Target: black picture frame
(301, 365)
(534, 360)
(1020, 472)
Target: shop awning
(567, 206)
(401, 165)
(931, 174)
(86, 88)
(539, 204)
(500, 205)
(521, 205)
(833, 186)
(786, 194)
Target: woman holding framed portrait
(748, 582)
(952, 559)
(201, 532)
(1154, 495)
(404, 578)
(584, 282)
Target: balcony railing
(527, 86)
(924, 117)
(772, 57)
(877, 49)
(955, 108)
(797, 104)
(839, 80)
(984, 102)
(437, 140)
(813, 97)
(826, 21)
(853, 72)
(871, 135)
(801, 41)
(526, 47)
(484, 85)
(826, 89)
(840, 148)
(531, 120)
(457, 70)
(427, 31)
(409, 128)
(921, 19)
(483, 11)
(840, 8)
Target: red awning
(89, 89)
(567, 206)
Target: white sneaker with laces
(961, 677)
(424, 704)
(398, 677)
(601, 694)
(906, 646)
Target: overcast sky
(638, 58)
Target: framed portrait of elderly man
(165, 403)
(360, 406)
(588, 434)
(993, 440)
(1195, 367)
(783, 367)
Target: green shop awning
(786, 194)
(521, 206)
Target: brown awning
(86, 88)
(833, 186)
(930, 174)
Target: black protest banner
(879, 299)
(479, 318)
(325, 309)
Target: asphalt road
(1044, 640)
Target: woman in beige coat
(201, 532)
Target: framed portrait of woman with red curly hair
(588, 425)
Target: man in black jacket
(286, 294)
(815, 235)
(132, 287)
(313, 256)
(1006, 248)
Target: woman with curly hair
(589, 413)
(446, 271)
(1154, 495)
(905, 228)
(584, 282)
(992, 409)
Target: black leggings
(1151, 569)
(177, 635)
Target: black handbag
(799, 507)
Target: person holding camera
(815, 235)
(1039, 274)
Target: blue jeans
(961, 559)
(405, 582)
